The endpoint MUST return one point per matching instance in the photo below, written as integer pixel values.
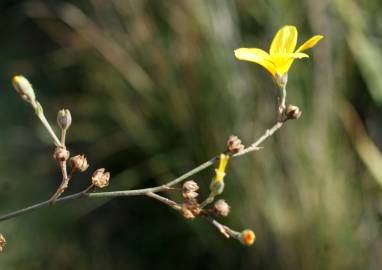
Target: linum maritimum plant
(277, 62)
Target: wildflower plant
(278, 61)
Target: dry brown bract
(101, 178)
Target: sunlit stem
(40, 114)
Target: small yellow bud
(24, 88)
(220, 171)
(79, 163)
(247, 237)
(3, 242)
(100, 178)
(61, 154)
(64, 119)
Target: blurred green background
(154, 90)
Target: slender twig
(63, 137)
(144, 191)
(164, 200)
(64, 184)
(226, 231)
(151, 191)
(46, 124)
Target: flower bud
(100, 178)
(247, 237)
(24, 88)
(3, 242)
(61, 154)
(221, 208)
(64, 119)
(234, 144)
(79, 163)
(293, 112)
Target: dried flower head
(221, 208)
(100, 178)
(24, 88)
(187, 213)
(61, 154)
(190, 185)
(3, 242)
(64, 119)
(247, 237)
(79, 163)
(234, 144)
(293, 112)
(189, 190)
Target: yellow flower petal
(258, 56)
(284, 61)
(284, 41)
(310, 43)
(296, 55)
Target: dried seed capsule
(3, 242)
(100, 178)
(79, 163)
(234, 144)
(221, 208)
(189, 190)
(64, 119)
(293, 112)
(190, 185)
(61, 154)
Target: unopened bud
(24, 88)
(64, 119)
(234, 144)
(293, 112)
(247, 237)
(100, 178)
(79, 163)
(221, 208)
(3, 242)
(61, 154)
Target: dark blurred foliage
(154, 90)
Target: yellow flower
(281, 54)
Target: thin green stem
(46, 124)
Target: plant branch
(144, 191)
(150, 192)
